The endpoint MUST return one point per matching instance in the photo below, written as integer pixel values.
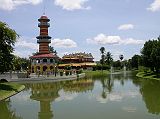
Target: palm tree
(102, 61)
(109, 58)
(102, 49)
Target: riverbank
(50, 78)
(96, 73)
(147, 75)
(9, 89)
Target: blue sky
(121, 26)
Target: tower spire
(44, 8)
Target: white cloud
(131, 41)
(129, 109)
(126, 27)
(63, 43)
(103, 39)
(114, 97)
(12, 4)
(21, 43)
(65, 96)
(72, 4)
(24, 48)
(155, 6)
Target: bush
(100, 67)
(3, 80)
(67, 73)
(61, 73)
(70, 72)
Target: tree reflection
(151, 96)
(107, 85)
(82, 85)
(6, 112)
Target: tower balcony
(43, 41)
(43, 24)
(43, 37)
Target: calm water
(118, 96)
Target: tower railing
(43, 24)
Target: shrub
(61, 73)
(3, 80)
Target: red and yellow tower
(43, 38)
(43, 60)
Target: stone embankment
(41, 78)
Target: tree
(7, 40)
(108, 58)
(51, 49)
(117, 64)
(135, 61)
(17, 63)
(151, 55)
(20, 63)
(102, 60)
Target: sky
(121, 26)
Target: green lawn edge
(147, 75)
(89, 73)
(4, 94)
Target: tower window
(37, 61)
(45, 60)
(51, 60)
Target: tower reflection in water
(46, 93)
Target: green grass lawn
(148, 75)
(8, 89)
(96, 73)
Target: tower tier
(43, 38)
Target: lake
(116, 96)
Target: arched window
(51, 60)
(44, 68)
(32, 69)
(44, 60)
(51, 67)
(38, 67)
(37, 61)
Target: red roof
(50, 55)
(44, 17)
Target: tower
(44, 61)
(43, 38)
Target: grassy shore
(96, 73)
(148, 75)
(8, 89)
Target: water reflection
(6, 112)
(107, 85)
(150, 90)
(79, 86)
(120, 93)
(46, 93)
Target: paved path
(51, 78)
